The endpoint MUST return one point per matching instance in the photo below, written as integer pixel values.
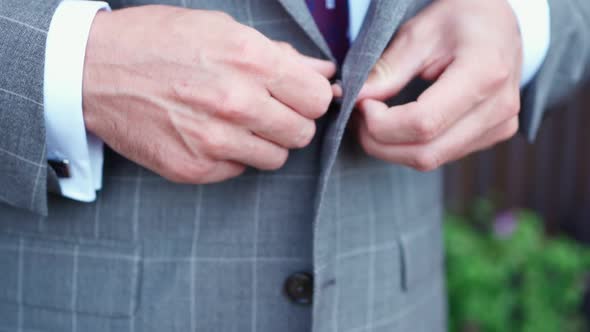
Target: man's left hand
(473, 52)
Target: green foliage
(523, 281)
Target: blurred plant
(505, 275)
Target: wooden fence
(552, 176)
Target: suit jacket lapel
(300, 12)
(383, 18)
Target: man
(233, 197)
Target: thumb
(403, 60)
(325, 68)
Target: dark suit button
(336, 103)
(299, 288)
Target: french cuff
(534, 20)
(67, 138)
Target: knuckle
(222, 16)
(501, 76)
(282, 44)
(497, 74)
(248, 45)
(375, 128)
(510, 129)
(245, 48)
(286, 46)
(232, 105)
(426, 128)
(409, 33)
(511, 105)
(215, 144)
(426, 161)
(182, 90)
(320, 97)
(369, 146)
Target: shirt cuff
(534, 20)
(67, 138)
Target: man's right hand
(195, 96)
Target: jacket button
(299, 288)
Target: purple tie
(331, 17)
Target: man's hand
(472, 50)
(195, 96)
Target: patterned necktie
(331, 17)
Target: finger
(337, 91)
(470, 134)
(258, 153)
(404, 59)
(223, 170)
(300, 87)
(231, 143)
(280, 124)
(433, 71)
(325, 67)
(459, 90)
(426, 159)
(499, 133)
(250, 106)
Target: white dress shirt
(67, 138)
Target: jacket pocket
(91, 278)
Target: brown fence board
(551, 176)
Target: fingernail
(369, 105)
(337, 90)
(305, 133)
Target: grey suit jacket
(150, 255)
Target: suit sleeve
(566, 67)
(24, 174)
